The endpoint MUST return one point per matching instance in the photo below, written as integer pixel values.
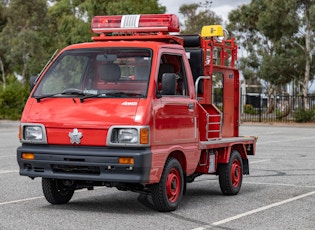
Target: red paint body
(188, 126)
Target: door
(174, 115)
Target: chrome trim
(197, 83)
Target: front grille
(75, 169)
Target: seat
(165, 68)
(109, 72)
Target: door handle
(191, 106)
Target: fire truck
(140, 108)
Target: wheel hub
(235, 173)
(173, 185)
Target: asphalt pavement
(278, 194)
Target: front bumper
(85, 163)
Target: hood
(92, 118)
(92, 113)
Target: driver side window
(171, 63)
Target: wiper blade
(73, 91)
(111, 94)
(69, 91)
(91, 96)
(124, 94)
(46, 96)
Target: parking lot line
(278, 184)
(21, 200)
(259, 161)
(254, 211)
(263, 208)
(287, 140)
(13, 171)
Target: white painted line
(276, 184)
(275, 132)
(262, 209)
(259, 161)
(14, 171)
(40, 197)
(288, 140)
(22, 200)
(202, 228)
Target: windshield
(102, 72)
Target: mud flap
(245, 167)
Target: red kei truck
(139, 108)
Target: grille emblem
(75, 136)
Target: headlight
(133, 136)
(127, 136)
(33, 133)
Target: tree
(22, 37)
(3, 21)
(135, 7)
(70, 20)
(276, 33)
(307, 7)
(198, 15)
(32, 30)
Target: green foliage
(134, 7)
(12, 99)
(303, 115)
(276, 34)
(31, 31)
(198, 15)
(249, 109)
(22, 46)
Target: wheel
(231, 174)
(167, 194)
(55, 192)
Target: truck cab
(133, 110)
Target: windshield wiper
(111, 94)
(69, 91)
(124, 94)
(91, 96)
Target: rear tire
(168, 193)
(55, 192)
(231, 174)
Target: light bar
(135, 23)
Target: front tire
(231, 174)
(168, 193)
(55, 192)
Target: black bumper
(85, 163)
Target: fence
(282, 108)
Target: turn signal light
(126, 160)
(28, 156)
(144, 136)
(20, 132)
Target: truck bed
(228, 142)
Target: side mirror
(168, 84)
(33, 80)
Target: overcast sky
(220, 7)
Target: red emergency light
(144, 23)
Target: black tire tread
(225, 175)
(52, 194)
(157, 190)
